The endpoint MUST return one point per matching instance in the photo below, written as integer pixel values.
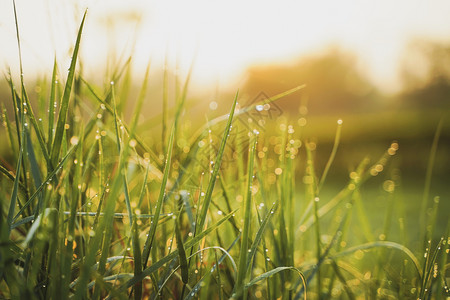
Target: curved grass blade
(56, 146)
(244, 110)
(353, 185)
(275, 271)
(189, 244)
(208, 273)
(386, 244)
(337, 138)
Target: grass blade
(242, 272)
(51, 106)
(137, 259)
(159, 203)
(215, 172)
(46, 181)
(275, 271)
(8, 126)
(64, 107)
(181, 252)
(14, 194)
(259, 235)
(385, 244)
(189, 244)
(426, 191)
(337, 138)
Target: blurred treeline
(336, 88)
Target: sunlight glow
(223, 38)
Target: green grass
(92, 207)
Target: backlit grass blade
(64, 107)
(181, 252)
(275, 271)
(14, 195)
(337, 138)
(103, 234)
(362, 216)
(9, 131)
(384, 244)
(51, 106)
(108, 107)
(242, 271)
(46, 181)
(219, 280)
(159, 202)
(215, 172)
(189, 244)
(34, 168)
(140, 102)
(361, 175)
(429, 265)
(429, 172)
(11, 177)
(28, 110)
(202, 282)
(165, 99)
(137, 259)
(243, 110)
(8, 272)
(17, 109)
(122, 154)
(313, 190)
(259, 235)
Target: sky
(224, 38)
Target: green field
(98, 202)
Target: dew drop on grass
(213, 105)
(74, 140)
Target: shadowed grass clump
(92, 207)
